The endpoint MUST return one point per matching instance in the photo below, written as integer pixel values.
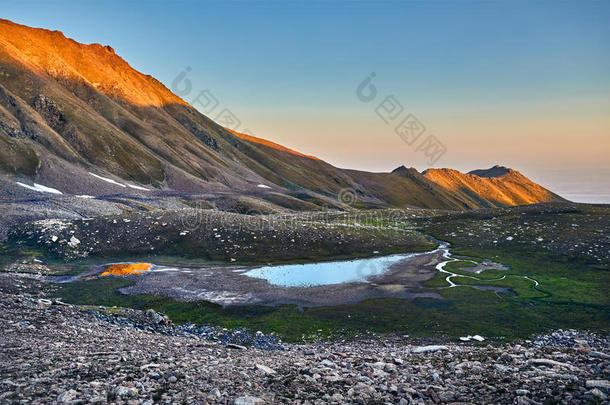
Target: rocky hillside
(79, 119)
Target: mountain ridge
(69, 109)
(504, 186)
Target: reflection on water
(315, 274)
(125, 269)
(309, 274)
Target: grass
(439, 280)
(103, 291)
(465, 311)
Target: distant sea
(589, 185)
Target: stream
(444, 247)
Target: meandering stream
(444, 247)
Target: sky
(525, 84)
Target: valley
(154, 252)
(505, 274)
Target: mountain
(80, 119)
(495, 171)
(498, 186)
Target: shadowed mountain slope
(68, 110)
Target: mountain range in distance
(79, 119)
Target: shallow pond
(373, 271)
(325, 273)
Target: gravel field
(214, 235)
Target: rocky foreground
(51, 352)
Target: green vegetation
(439, 280)
(572, 292)
(464, 311)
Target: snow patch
(85, 196)
(116, 183)
(478, 338)
(263, 186)
(40, 188)
(137, 187)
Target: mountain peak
(495, 171)
(440, 170)
(403, 171)
(500, 185)
(96, 65)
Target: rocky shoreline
(52, 352)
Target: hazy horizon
(517, 84)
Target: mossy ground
(464, 311)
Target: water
(444, 247)
(325, 273)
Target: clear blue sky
(509, 82)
